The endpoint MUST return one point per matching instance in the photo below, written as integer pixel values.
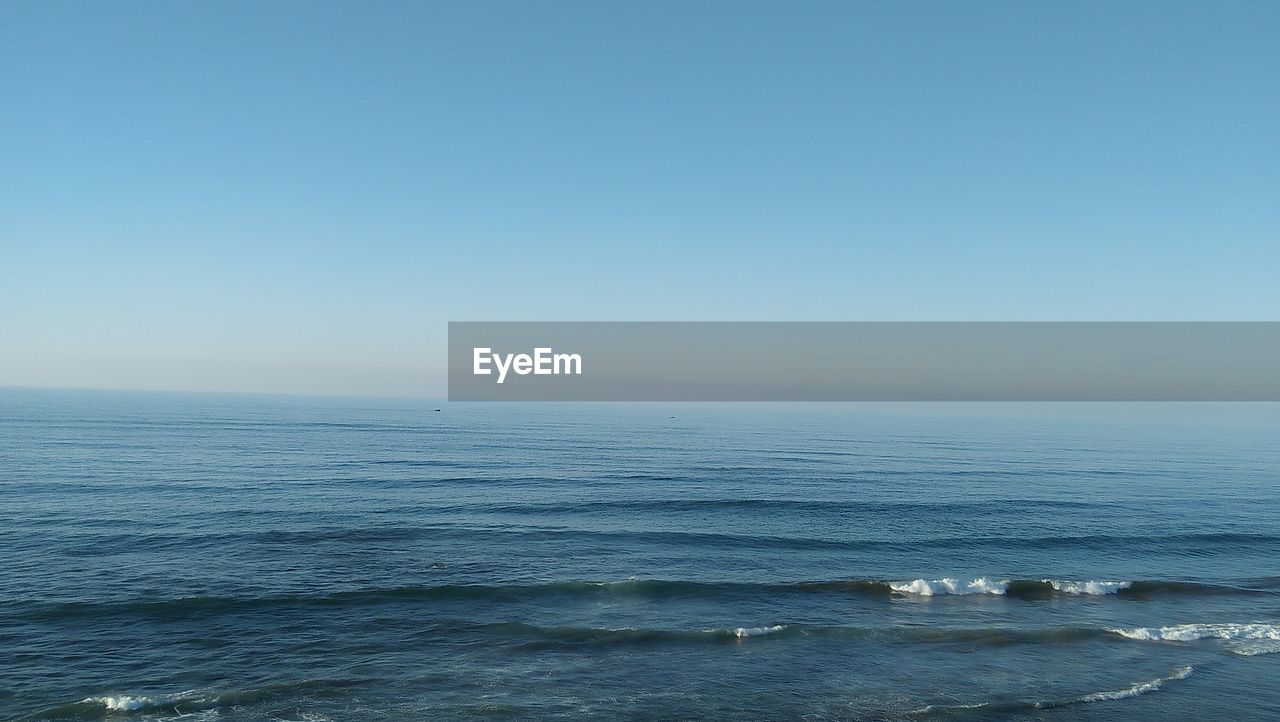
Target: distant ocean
(207, 557)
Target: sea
(170, 556)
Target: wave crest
(1022, 706)
(741, 632)
(948, 585)
(1018, 587)
(1091, 587)
(1137, 689)
(1028, 589)
(1247, 639)
(132, 703)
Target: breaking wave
(635, 588)
(183, 705)
(173, 705)
(928, 588)
(1090, 587)
(1003, 587)
(532, 637)
(1247, 639)
(983, 708)
(1135, 690)
(741, 632)
(130, 703)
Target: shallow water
(213, 556)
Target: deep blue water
(170, 556)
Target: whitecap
(1192, 632)
(123, 702)
(134, 703)
(191, 704)
(741, 632)
(1091, 587)
(1135, 690)
(1254, 647)
(929, 709)
(930, 587)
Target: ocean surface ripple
(172, 556)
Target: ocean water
(169, 556)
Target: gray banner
(763, 361)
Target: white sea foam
(931, 708)
(988, 585)
(930, 587)
(1252, 647)
(193, 704)
(928, 709)
(134, 703)
(741, 632)
(1089, 587)
(123, 702)
(1192, 632)
(1135, 690)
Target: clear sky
(297, 196)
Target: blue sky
(297, 197)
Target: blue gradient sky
(296, 197)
